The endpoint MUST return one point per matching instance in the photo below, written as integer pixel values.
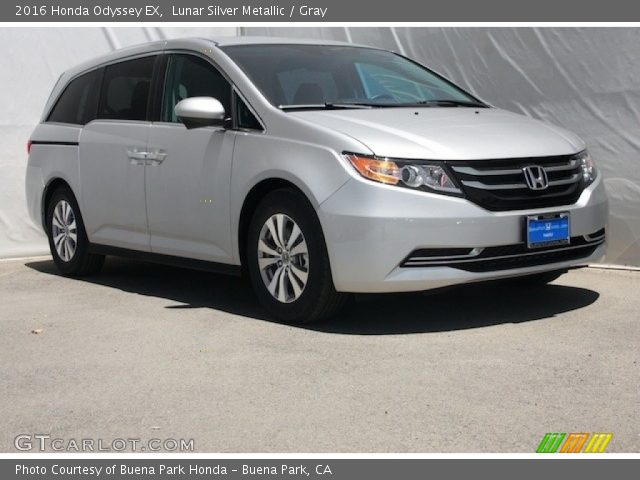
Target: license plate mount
(548, 230)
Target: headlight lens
(405, 173)
(588, 167)
(380, 170)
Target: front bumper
(370, 230)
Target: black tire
(537, 279)
(319, 299)
(81, 263)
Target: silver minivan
(318, 169)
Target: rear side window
(78, 103)
(125, 90)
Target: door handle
(137, 156)
(142, 157)
(156, 157)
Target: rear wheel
(288, 262)
(68, 240)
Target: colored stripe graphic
(550, 442)
(598, 442)
(574, 443)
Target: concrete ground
(145, 351)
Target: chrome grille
(500, 185)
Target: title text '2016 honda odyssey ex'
(316, 168)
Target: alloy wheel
(64, 230)
(283, 258)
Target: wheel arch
(251, 201)
(52, 185)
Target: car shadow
(456, 308)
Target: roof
(248, 40)
(219, 41)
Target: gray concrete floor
(146, 351)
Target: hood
(447, 133)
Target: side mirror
(197, 112)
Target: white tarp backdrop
(584, 79)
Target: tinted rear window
(78, 103)
(125, 90)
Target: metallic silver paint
(370, 228)
(111, 192)
(187, 196)
(200, 107)
(189, 204)
(448, 133)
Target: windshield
(310, 76)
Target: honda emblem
(536, 177)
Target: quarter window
(190, 76)
(79, 101)
(125, 90)
(245, 117)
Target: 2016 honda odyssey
(317, 168)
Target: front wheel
(288, 262)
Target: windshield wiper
(449, 103)
(348, 105)
(324, 106)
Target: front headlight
(588, 167)
(419, 175)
